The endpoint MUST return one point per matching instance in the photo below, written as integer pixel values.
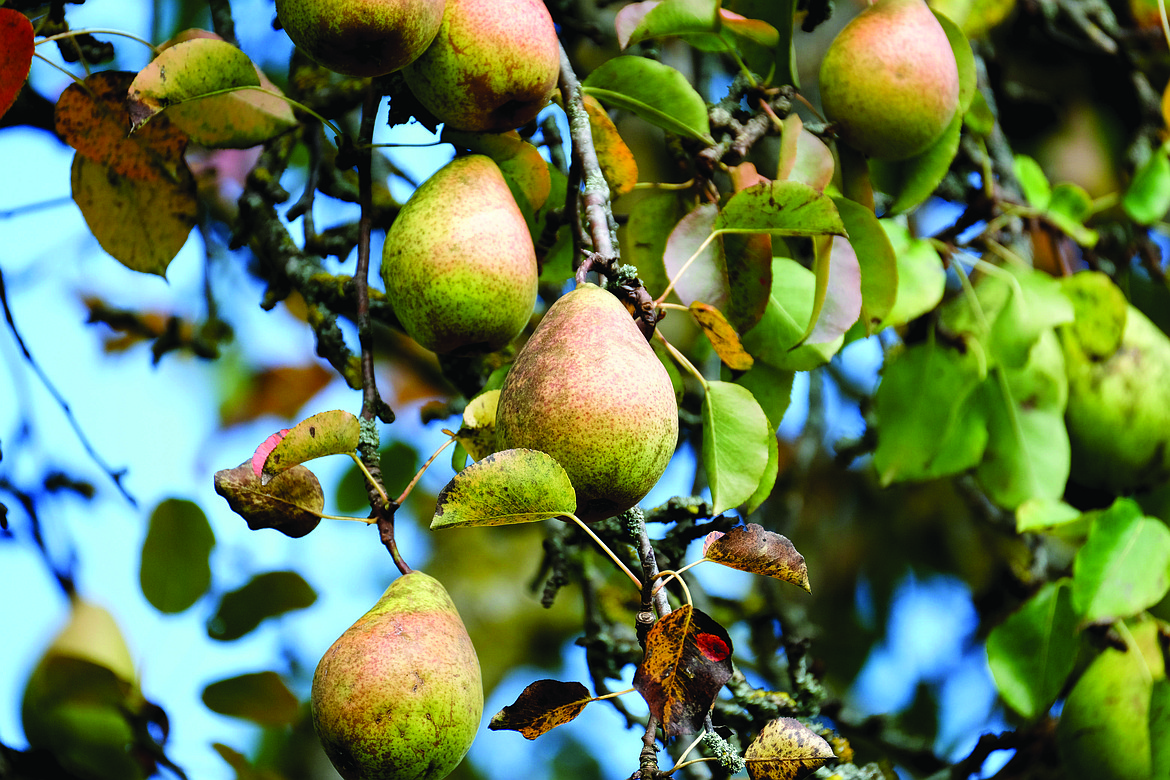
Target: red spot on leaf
(714, 648)
(260, 457)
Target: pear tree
(852, 300)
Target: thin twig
(373, 407)
(116, 476)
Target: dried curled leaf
(753, 549)
(291, 502)
(543, 705)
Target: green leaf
(772, 388)
(735, 444)
(510, 486)
(776, 62)
(705, 278)
(780, 208)
(652, 218)
(1032, 653)
(768, 480)
(928, 422)
(1028, 451)
(1037, 191)
(1124, 565)
(1040, 514)
(175, 569)
(837, 294)
(261, 697)
(875, 256)
(678, 17)
(920, 276)
(910, 182)
(1012, 309)
(1068, 208)
(964, 59)
(335, 432)
(1160, 727)
(188, 71)
(1148, 198)
(775, 340)
(265, 596)
(658, 93)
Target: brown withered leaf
(543, 705)
(617, 162)
(687, 661)
(753, 549)
(279, 391)
(291, 502)
(722, 336)
(786, 749)
(93, 119)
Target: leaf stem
(680, 761)
(406, 492)
(682, 360)
(97, 31)
(370, 480)
(669, 574)
(685, 266)
(606, 550)
(677, 575)
(665, 185)
(612, 694)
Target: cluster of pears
(889, 82)
(477, 65)
(399, 695)
(1118, 366)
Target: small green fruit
(492, 67)
(458, 261)
(1104, 728)
(1118, 365)
(889, 81)
(361, 37)
(399, 696)
(588, 390)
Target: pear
(81, 695)
(889, 81)
(1104, 728)
(588, 390)
(361, 37)
(399, 696)
(1118, 366)
(458, 261)
(492, 67)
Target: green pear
(492, 67)
(889, 82)
(588, 390)
(458, 261)
(1118, 366)
(361, 37)
(399, 696)
(80, 697)
(1104, 728)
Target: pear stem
(406, 491)
(96, 31)
(605, 549)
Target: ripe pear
(492, 67)
(361, 37)
(1104, 728)
(80, 697)
(889, 81)
(588, 390)
(1118, 366)
(458, 261)
(399, 695)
